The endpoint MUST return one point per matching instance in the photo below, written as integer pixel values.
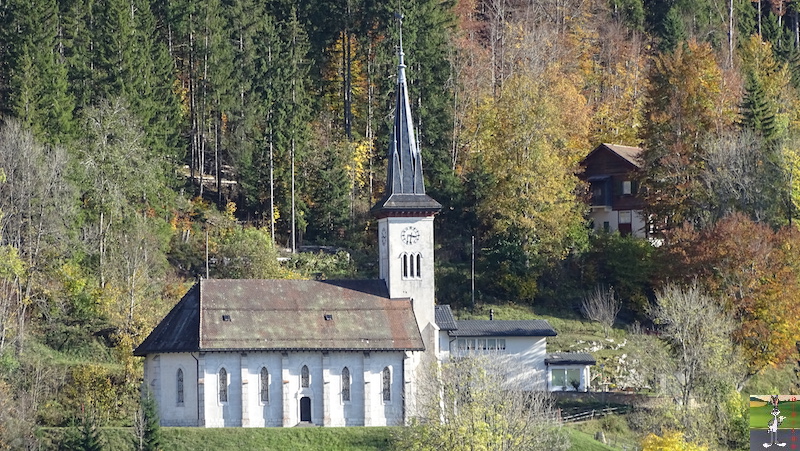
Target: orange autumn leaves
(755, 272)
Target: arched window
(387, 384)
(345, 384)
(419, 265)
(304, 377)
(411, 262)
(405, 266)
(264, 384)
(223, 385)
(179, 386)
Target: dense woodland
(148, 142)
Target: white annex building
(257, 353)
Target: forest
(145, 143)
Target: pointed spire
(405, 188)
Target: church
(258, 353)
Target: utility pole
(473, 271)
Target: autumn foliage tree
(755, 271)
(527, 143)
(686, 101)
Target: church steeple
(405, 220)
(405, 188)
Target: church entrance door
(305, 409)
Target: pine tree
(33, 74)
(83, 436)
(148, 427)
(254, 160)
(758, 114)
(330, 190)
(674, 31)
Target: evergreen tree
(83, 436)
(330, 190)
(674, 31)
(255, 160)
(293, 109)
(79, 49)
(758, 114)
(148, 428)
(33, 76)
(630, 12)
(280, 89)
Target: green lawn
(584, 442)
(267, 439)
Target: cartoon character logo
(773, 424)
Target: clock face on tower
(409, 235)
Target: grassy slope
(584, 442)
(267, 439)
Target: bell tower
(405, 218)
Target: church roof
(405, 187)
(444, 317)
(237, 315)
(569, 358)
(503, 328)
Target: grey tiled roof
(444, 318)
(569, 358)
(179, 331)
(503, 328)
(235, 315)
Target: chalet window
(264, 385)
(387, 384)
(223, 385)
(601, 191)
(345, 384)
(179, 386)
(305, 378)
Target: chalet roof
(627, 153)
(503, 328)
(236, 315)
(444, 317)
(405, 187)
(569, 358)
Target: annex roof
(569, 358)
(503, 328)
(444, 317)
(237, 315)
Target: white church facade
(259, 353)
